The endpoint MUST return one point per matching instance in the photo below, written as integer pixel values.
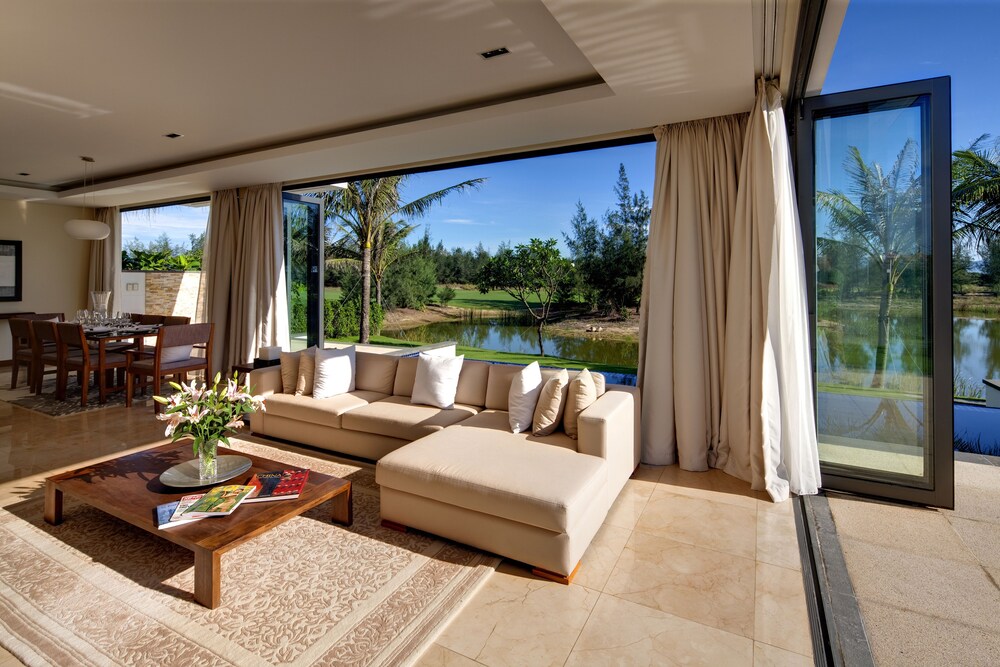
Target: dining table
(117, 335)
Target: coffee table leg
(53, 504)
(343, 508)
(207, 576)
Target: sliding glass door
(874, 193)
(304, 269)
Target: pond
(976, 344)
(494, 335)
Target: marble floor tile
(647, 473)
(601, 557)
(781, 618)
(516, 619)
(765, 655)
(777, 541)
(982, 538)
(703, 585)
(624, 633)
(627, 508)
(438, 656)
(711, 485)
(701, 522)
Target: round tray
(185, 475)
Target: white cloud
(465, 221)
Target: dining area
(101, 355)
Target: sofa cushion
(551, 403)
(307, 372)
(523, 397)
(472, 383)
(406, 373)
(289, 371)
(498, 385)
(582, 393)
(322, 411)
(396, 417)
(497, 473)
(375, 372)
(498, 420)
(334, 373)
(436, 380)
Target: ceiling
(302, 90)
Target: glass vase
(208, 463)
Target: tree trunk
(366, 293)
(378, 292)
(541, 345)
(884, 307)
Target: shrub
(342, 318)
(445, 294)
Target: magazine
(220, 501)
(277, 485)
(168, 515)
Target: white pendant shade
(87, 230)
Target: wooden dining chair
(172, 356)
(146, 318)
(76, 354)
(45, 349)
(21, 349)
(171, 320)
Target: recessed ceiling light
(502, 51)
(24, 173)
(173, 135)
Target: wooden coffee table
(129, 488)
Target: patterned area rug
(95, 590)
(48, 404)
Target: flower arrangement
(208, 415)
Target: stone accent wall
(174, 293)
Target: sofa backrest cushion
(375, 372)
(334, 373)
(472, 383)
(501, 375)
(406, 373)
(289, 371)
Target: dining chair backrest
(171, 320)
(177, 335)
(20, 334)
(44, 332)
(71, 336)
(146, 318)
(54, 317)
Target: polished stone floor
(689, 568)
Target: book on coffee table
(277, 485)
(169, 515)
(220, 501)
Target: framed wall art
(10, 270)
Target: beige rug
(96, 591)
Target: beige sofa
(461, 473)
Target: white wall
(54, 267)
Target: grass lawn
(331, 293)
(473, 299)
(503, 357)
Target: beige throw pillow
(551, 403)
(289, 371)
(523, 396)
(307, 372)
(582, 393)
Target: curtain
(682, 322)
(245, 293)
(724, 361)
(771, 424)
(217, 265)
(105, 258)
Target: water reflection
(492, 335)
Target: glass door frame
(936, 159)
(315, 335)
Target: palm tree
(880, 217)
(387, 249)
(364, 209)
(975, 190)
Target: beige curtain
(217, 265)
(768, 402)
(724, 362)
(683, 318)
(106, 257)
(245, 293)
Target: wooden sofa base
(392, 525)
(565, 579)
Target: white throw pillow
(334, 372)
(524, 391)
(178, 353)
(437, 380)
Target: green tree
(445, 295)
(961, 263)
(364, 207)
(975, 190)
(533, 274)
(880, 216)
(388, 247)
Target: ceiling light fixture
(502, 51)
(24, 173)
(173, 135)
(87, 230)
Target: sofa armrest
(264, 381)
(610, 429)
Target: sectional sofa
(461, 473)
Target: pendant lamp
(87, 230)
